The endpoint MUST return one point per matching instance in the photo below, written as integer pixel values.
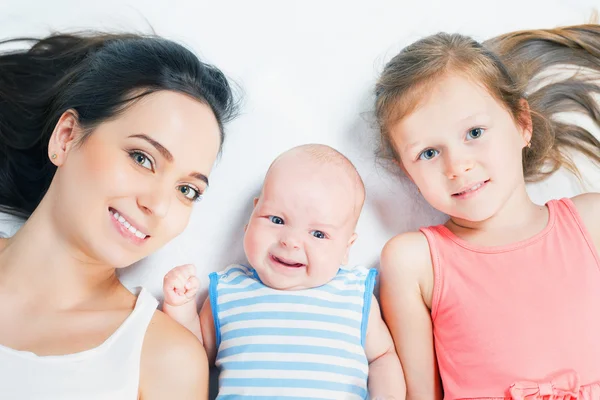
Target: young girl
(106, 141)
(502, 301)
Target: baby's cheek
(252, 244)
(326, 263)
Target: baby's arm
(207, 325)
(179, 288)
(386, 379)
(406, 284)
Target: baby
(292, 322)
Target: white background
(307, 70)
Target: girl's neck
(518, 219)
(39, 264)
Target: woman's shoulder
(172, 359)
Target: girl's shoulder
(588, 205)
(407, 248)
(406, 261)
(588, 208)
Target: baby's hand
(180, 285)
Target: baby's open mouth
(287, 263)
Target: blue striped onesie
(292, 345)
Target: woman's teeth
(119, 218)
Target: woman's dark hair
(97, 76)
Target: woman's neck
(39, 263)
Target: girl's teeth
(127, 225)
(472, 189)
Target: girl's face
(130, 187)
(462, 149)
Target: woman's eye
(428, 154)
(142, 159)
(475, 133)
(190, 193)
(276, 220)
(318, 234)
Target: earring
(529, 145)
(53, 156)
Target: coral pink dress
(520, 321)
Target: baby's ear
(350, 243)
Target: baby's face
(302, 225)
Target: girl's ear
(401, 166)
(525, 122)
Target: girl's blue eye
(428, 154)
(276, 220)
(475, 133)
(318, 234)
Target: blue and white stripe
(304, 344)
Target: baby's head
(303, 222)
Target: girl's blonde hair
(506, 66)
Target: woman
(106, 142)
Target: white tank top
(110, 371)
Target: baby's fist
(180, 285)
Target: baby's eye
(475, 133)
(428, 154)
(318, 234)
(276, 220)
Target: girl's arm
(386, 380)
(406, 287)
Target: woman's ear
(64, 137)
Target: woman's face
(129, 188)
